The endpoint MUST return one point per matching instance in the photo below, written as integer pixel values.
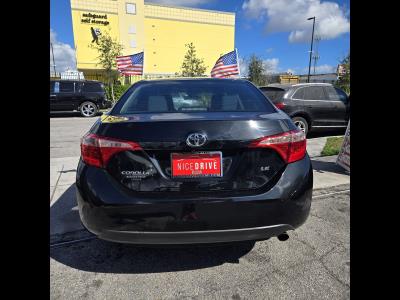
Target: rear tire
(88, 109)
(301, 123)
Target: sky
(277, 31)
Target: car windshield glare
(176, 96)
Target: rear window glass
(92, 87)
(274, 94)
(332, 93)
(342, 95)
(192, 96)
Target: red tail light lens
(97, 150)
(280, 105)
(290, 145)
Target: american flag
(131, 64)
(226, 66)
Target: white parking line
(72, 242)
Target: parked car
(85, 96)
(234, 169)
(312, 106)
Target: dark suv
(312, 106)
(85, 96)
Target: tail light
(97, 150)
(290, 145)
(280, 105)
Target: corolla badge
(196, 139)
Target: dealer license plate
(200, 164)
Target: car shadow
(97, 255)
(326, 133)
(64, 214)
(328, 166)
(70, 114)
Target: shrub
(118, 91)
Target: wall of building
(131, 27)
(81, 25)
(168, 29)
(161, 31)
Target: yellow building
(160, 31)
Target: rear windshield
(274, 94)
(192, 96)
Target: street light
(312, 40)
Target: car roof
(278, 85)
(286, 86)
(205, 79)
(312, 84)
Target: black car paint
(164, 210)
(70, 101)
(319, 114)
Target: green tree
(192, 66)
(344, 80)
(108, 49)
(256, 71)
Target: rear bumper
(194, 237)
(115, 214)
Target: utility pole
(316, 55)
(312, 40)
(52, 53)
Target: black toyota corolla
(186, 161)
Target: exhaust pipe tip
(283, 237)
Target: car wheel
(301, 123)
(88, 109)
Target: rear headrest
(225, 102)
(230, 102)
(157, 103)
(216, 102)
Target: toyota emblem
(196, 139)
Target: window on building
(132, 29)
(133, 43)
(131, 8)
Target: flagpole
(143, 64)
(237, 59)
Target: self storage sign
(95, 19)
